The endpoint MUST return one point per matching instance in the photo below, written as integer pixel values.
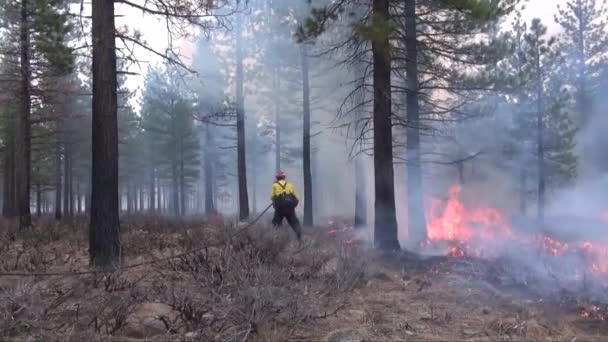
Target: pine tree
(584, 39)
(167, 121)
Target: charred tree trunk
(416, 218)
(385, 225)
(308, 217)
(209, 197)
(104, 239)
(23, 138)
(240, 124)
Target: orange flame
(456, 222)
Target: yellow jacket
(281, 186)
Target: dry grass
(259, 285)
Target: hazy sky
(155, 33)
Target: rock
(151, 319)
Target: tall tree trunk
(160, 197)
(70, 192)
(416, 217)
(9, 204)
(360, 194)
(78, 198)
(38, 200)
(129, 197)
(175, 189)
(58, 184)
(360, 183)
(209, 197)
(240, 124)
(23, 139)
(277, 117)
(152, 190)
(182, 187)
(385, 225)
(540, 140)
(104, 239)
(67, 193)
(308, 218)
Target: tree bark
(23, 139)
(240, 124)
(104, 239)
(385, 223)
(308, 195)
(416, 217)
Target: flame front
(455, 222)
(463, 231)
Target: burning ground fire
(459, 231)
(456, 230)
(484, 232)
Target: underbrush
(252, 284)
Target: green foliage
(475, 9)
(170, 139)
(378, 30)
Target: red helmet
(280, 175)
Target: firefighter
(285, 200)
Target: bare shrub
(350, 269)
(19, 312)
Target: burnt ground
(262, 285)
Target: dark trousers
(292, 219)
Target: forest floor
(259, 284)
